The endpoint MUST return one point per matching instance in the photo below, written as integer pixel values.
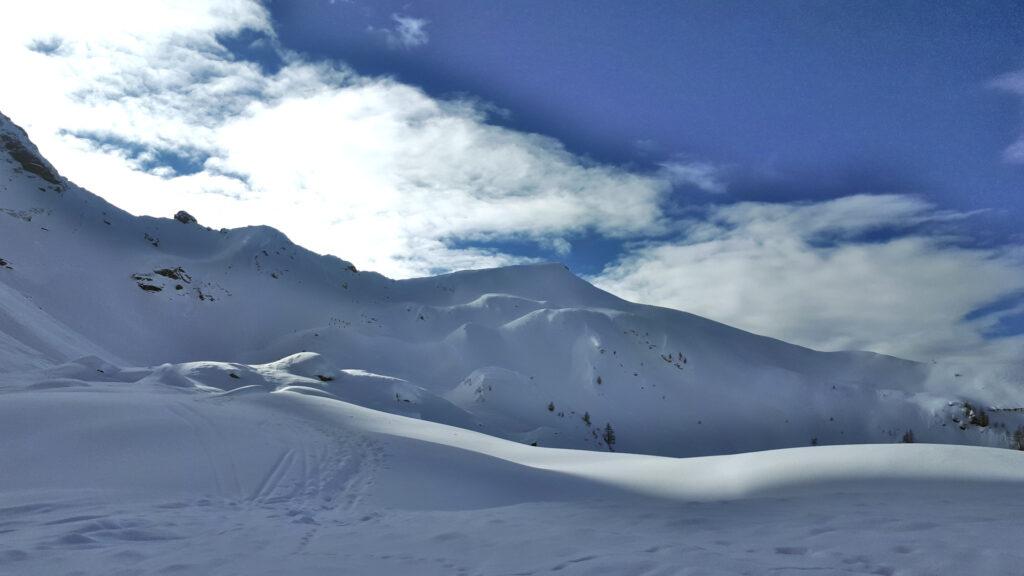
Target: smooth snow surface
(178, 400)
(150, 473)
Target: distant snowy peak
(543, 281)
(19, 150)
(551, 283)
(531, 353)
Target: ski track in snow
(319, 476)
(371, 426)
(312, 506)
(858, 535)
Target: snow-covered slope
(178, 400)
(528, 353)
(155, 471)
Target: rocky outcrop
(26, 155)
(185, 218)
(177, 273)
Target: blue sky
(837, 174)
(794, 100)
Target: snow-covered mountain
(180, 400)
(529, 353)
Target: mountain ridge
(489, 349)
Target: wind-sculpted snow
(491, 350)
(186, 469)
(181, 400)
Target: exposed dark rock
(150, 287)
(5, 264)
(29, 161)
(185, 218)
(25, 215)
(233, 375)
(324, 378)
(351, 268)
(177, 273)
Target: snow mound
(307, 365)
(485, 349)
(182, 400)
(183, 478)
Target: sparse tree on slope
(1017, 443)
(609, 437)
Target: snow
(152, 477)
(178, 400)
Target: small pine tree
(974, 416)
(599, 381)
(908, 437)
(551, 406)
(980, 419)
(609, 437)
(814, 441)
(586, 418)
(1018, 439)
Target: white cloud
(701, 175)
(800, 272)
(1014, 83)
(395, 175)
(408, 32)
(378, 172)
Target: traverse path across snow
(180, 400)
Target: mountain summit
(531, 353)
(181, 400)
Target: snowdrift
(181, 400)
(161, 471)
(489, 350)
